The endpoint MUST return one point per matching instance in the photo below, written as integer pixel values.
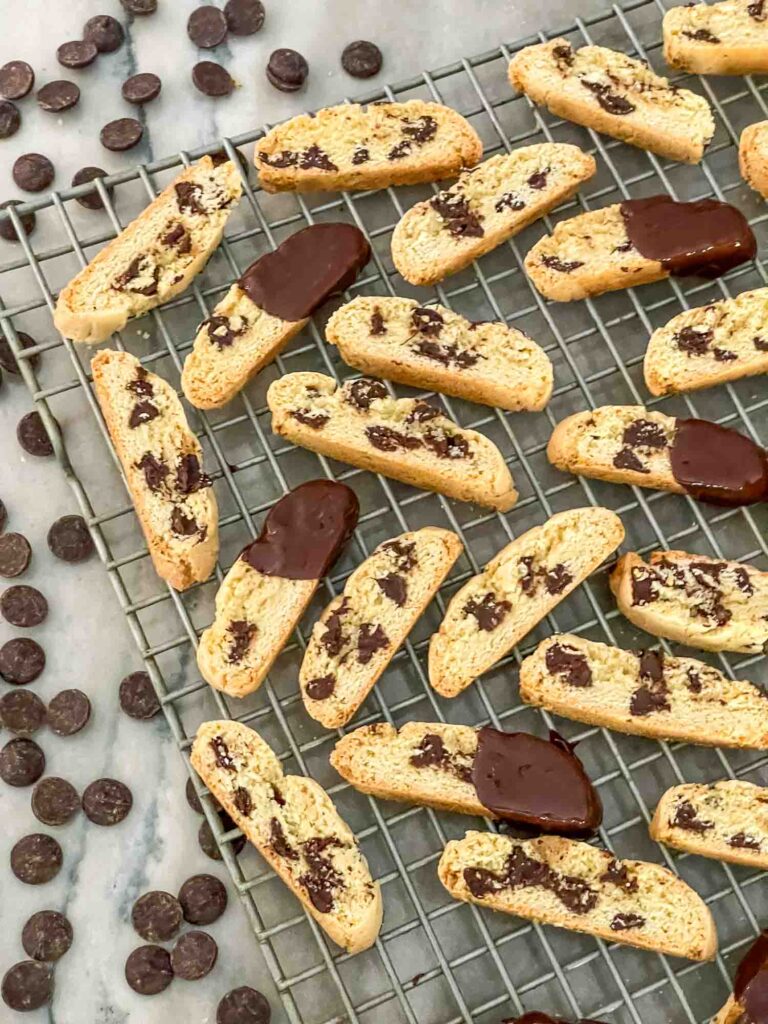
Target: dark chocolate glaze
(718, 465)
(750, 987)
(305, 531)
(705, 238)
(305, 269)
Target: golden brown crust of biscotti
(311, 410)
(602, 896)
(703, 602)
(436, 349)
(360, 631)
(753, 156)
(487, 205)
(717, 39)
(495, 609)
(723, 820)
(166, 438)
(155, 257)
(324, 151)
(614, 94)
(730, 1013)
(246, 778)
(644, 693)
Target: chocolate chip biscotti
(362, 147)
(527, 579)
(569, 884)
(488, 204)
(155, 257)
(162, 464)
(269, 305)
(615, 94)
(359, 422)
(294, 825)
(747, 1003)
(753, 156)
(645, 693)
(431, 347)
(726, 38)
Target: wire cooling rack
(436, 961)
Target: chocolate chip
(21, 712)
(538, 180)
(56, 97)
(54, 801)
(361, 156)
(194, 955)
(742, 841)
(756, 10)
(371, 639)
(243, 1005)
(107, 802)
(77, 54)
(47, 936)
(361, 59)
(22, 762)
(242, 633)
(23, 606)
(139, 7)
(15, 554)
(693, 340)
(141, 88)
(121, 134)
(105, 32)
(556, 579)
(761, 344)
(611, 102)
(701, 35)
(10, 119)
(722, 355)
(623, 922)
(321, 688)
(488, 612)
(394, 587)
(70, 540)
(314, 156)
(287, 70)
(509, 201)
(625, 458)
(16, 80)
(178, 238)
(68, 712)
(148, 970)
(363, 392)
(244, 17)
(561, 266)
(138, 698)
(207, 841)
(446, 446)
(9, 233)
(321, 880)
(192, 798)
(21, 660)
(36, 859)
(458, 217)
(142, 412)
(141, 385)
(184, 525)
(156, 916)
(203, 899)
(686, 818)
(27, 985)
(33, 172)
(155, 471)
(8, 360)
(207, 27)
(212, 79)
(32, 435)
(92, 200)
(570, 663)
(564, 53)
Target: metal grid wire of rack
(436, 961)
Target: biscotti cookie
(360, 631)
(615, 94)
(637, 242)
(360, 423)
(753, 156)
(726, 38)
(358, 147)
(432, 348)
(723, 820)
(527, 579)
(155, 257)
(629, 444)
(266, 591)
(162, 464)
(710, 345)
(294, 825)
(747, 1003)
(488, 204)
(267, 307)
(645, 693)
(699, 601)
(573, 885)
(510, 775)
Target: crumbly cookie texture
(360, 630)
(730, 1013)
(294, 825)
(570, 884)
(523, 583)
(155, 257)
(360, 423)
(362, 147)
(162, 464)
(727, 38)
(723, 820)
(710, 345)
(703, 602)
(753, 156)
(645, 693)
(616, 95)
(432, 348)
(488, 204)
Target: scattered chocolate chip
(221, 753)
(77, 54)
(394, 587)
(138, 698)
(148, 970)
(207, 27)
(644, 434)
(10, 119)
(761, 344)
(16, 80)
(564, 53)
(9, 233)
(623, 922)
(321, 688)
(701, 35)
(33, 172)
(756, 10)
(68, 712)
(203, 899)
(27, 985)
(361, 59)
(244, 17)
(361, 156)
(156, 916)
(363, 392)
(742, 841)
(243, 1005)
(121, 134)
(23, 606)
(242, 633)
(92, 200)
(212, 79)
(693, 340)
(556, 579)
(566, 661)
(105, 32)
(54, 801)
(194, 955)
(538, 180)
(22, 762)
(207, 841)
(107, 802)
(488, 612)
(561, 266)
(32, 435)
(141, 88)
(142, 412)
(192, 798)
(611, 102)
(36, 859)
(56, 97)
(313, 156)
(184, 525)
(139, 7)
(46, 936)
(242, 799)
(21, 712)
(458, 217)
(509, 201)
(15, 554)
(371, 639)
(685, 817)
(287, 70)
(70, 540)
(8, 359)
(21, 660)
(625, 458)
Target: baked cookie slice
(488, 204)
(269, 305)
(527, 579)
(267, 590)
(359, 422)
(644, 693)
(753, 156)
(723, 820)
(431, 347)
(629, 444)
(616, 95)
(294, 825)
(155, 257)
(709, 345)
(749, 986)
(161, 460)
(637, 242)
(361, 147)
(569, 884)
(695, 600)
(360, 631)
(726, 38)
